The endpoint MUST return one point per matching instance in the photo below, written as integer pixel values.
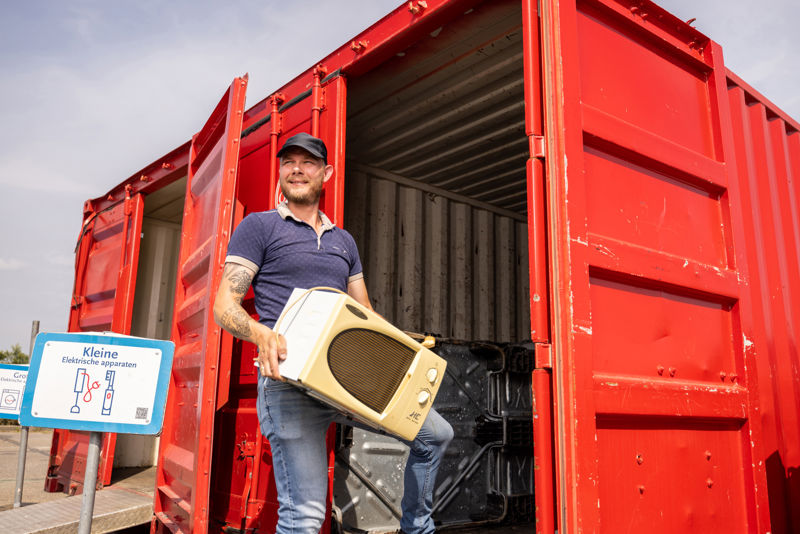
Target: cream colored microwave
(355, 361)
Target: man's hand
(271, 350)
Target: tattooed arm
(230, 315)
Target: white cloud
(61, 260)
(24, 171)
(11, 264)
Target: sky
(93, 90)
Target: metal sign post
(97, 382)
(90, 482)
(23, 436)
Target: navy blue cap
(314, 146)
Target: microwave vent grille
(369, 365)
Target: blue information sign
(100, 382)
(12, 385)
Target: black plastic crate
(488, 469)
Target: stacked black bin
(487, 473)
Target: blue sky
(93, 90)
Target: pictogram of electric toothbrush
(108, 398)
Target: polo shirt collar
(284, 212)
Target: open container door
(243, 494)
(105, 279)
(184, 462)
(657, 427)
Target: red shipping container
(587, 175)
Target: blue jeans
(295, 425)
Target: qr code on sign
(141, 413)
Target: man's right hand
(271, 350)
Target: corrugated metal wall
(434, 264)
(436, 180)
(768, 165)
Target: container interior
(436, 179)
(154, 296)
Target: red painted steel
(275, 130)
(768, 161)
(657, 427)
(184, 465)
(102, 300)
(541, 382)
(534, 128)
(243, 494)
(543, 451)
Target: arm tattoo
(240, 279)
(236, 321)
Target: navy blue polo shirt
(286, 253)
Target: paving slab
(114, 509)
(126, 503)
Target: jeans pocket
(277, 386)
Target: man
(296, 245)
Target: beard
(310, 197)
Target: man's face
(301, 176)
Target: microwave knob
(423, 397)
(431, 375)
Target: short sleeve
(247, 243)
(356, 270)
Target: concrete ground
(36, 463)
(126, 502)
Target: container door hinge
(525, 357)
(77, 301)
(275, 117)
(537, 146)
(128, 206)
(543, 356)
(247, 452)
